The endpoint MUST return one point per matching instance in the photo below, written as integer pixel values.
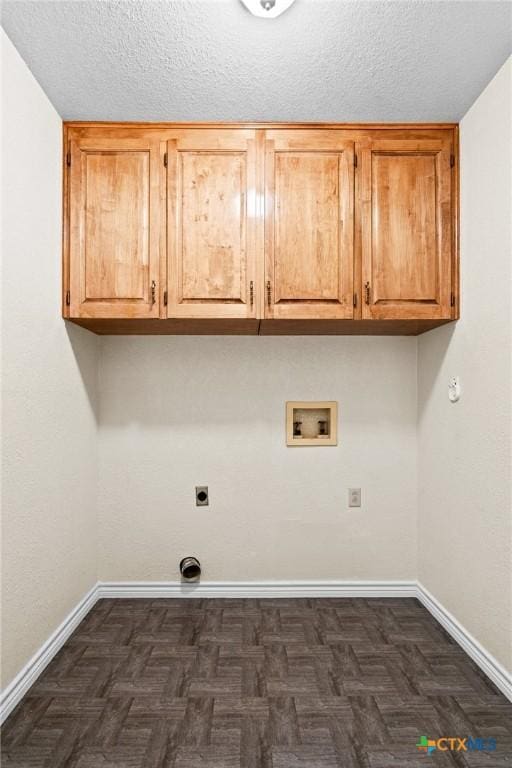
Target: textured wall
(180, 412)
(465, 509)
(48, 382)
(176, 412)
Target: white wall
(176, 412)
(185, 411)
(48, 386)
(465, 511)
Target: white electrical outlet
(354, 497)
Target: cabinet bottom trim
(253, 327)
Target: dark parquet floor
(309, 683)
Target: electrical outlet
(354, 497)
(201, 495)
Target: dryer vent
(190, 568)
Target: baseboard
(267, 589)
(501, 678)
(15, 691)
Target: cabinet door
(211, 182)
(114, 228)
(309, 228)
(406, 229)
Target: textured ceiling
(364, 60)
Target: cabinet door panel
(308, 225)
(406, 230)
(211, 182)
(114, 232)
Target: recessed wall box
(311, 423)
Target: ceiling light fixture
(267, 9)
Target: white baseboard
(230, 589)
(501, 678)
(14, 692)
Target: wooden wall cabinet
(260, 229)
(309, 232)
(406, 229)
(114, 227)
(211, 194)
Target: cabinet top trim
(261, 125)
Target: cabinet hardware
(452, 161)
(153, 292)
(251, 292)
(452, 299)
(68, 159)
(269, 293)
(68, 298)
(165, 298)
(165, 159)
(367, 292)
(354, 300)
(355, 161)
